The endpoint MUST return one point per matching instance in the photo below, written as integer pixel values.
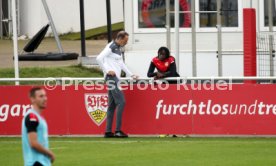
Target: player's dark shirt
(31, 122)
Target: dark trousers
(116, 101)
(37, 164)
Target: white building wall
(143, 47)
(66, 16)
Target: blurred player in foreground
(35, 132)
(111, 62)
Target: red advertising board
(245, 109)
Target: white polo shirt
(110, 59)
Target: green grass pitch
(150, 151)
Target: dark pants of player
(116, 99)
(37, 164)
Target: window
(152, 13)
(229, 18)
(266, 15)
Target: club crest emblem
(96, 107)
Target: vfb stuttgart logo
(96, 106)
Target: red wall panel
(66, 113)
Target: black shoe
(109, 135)
(120, 134)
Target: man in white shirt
(111, 62)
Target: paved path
(93, 47)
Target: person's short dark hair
(166, 50)
(33, 91)
(122, 35)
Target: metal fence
(266, 61)
(187, 80)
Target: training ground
(151, 151)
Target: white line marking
(57, 148)
(148, 141)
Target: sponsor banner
(245, 109)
